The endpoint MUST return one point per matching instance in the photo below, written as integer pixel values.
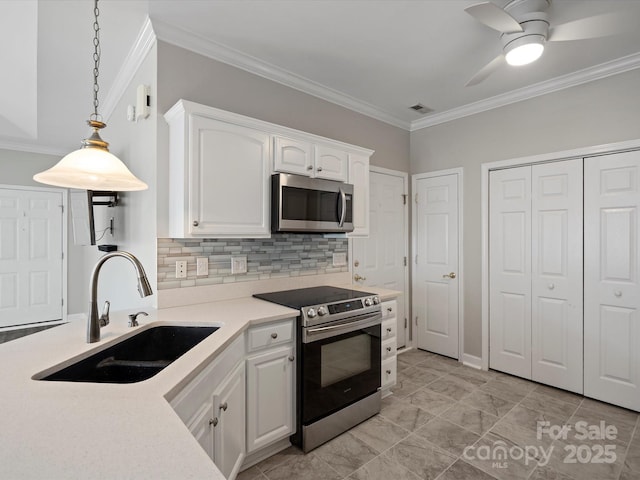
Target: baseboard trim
(472, 361)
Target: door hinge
(404, 198)
(405, 323)
(62, 209)
(416, 320)
(62, 302)
(416, 198)
(62, 255)
(416, 259)
(405, 261)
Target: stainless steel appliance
(338, 360)
(302, 204)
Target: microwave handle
(342, 212)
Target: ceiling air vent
(418, 107)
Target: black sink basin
(135, 359)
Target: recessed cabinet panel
(292, 156)
(229, 179)
(359, 178)
(331, 163)
(229, 436)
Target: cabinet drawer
(270, 335)
(388, 372)
(389, 309)
(389, 329)
(388, 348)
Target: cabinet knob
(617, 293)
(388, 329)
(291, 358)
(213, 421)
(196, 223)
(223, 407)
(388, 372)
(551, 286)
(388, 349)
(309, 167)
(274, 335)
(319, 169)
(389, 309)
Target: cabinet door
(270, 408)
(611, 276)
(228, 179)
(229, 409)
(359, 177)
(556, 282)
(203, 426)
(292, 156)
(510, 271)
(330, 163)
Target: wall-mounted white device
(143, 101)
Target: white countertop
(64, 430)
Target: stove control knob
(311, 313)
(376, 300)
(322, 311)
(368, 302)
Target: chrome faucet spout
(95, 321)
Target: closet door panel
(612, 290)
(556, 277)
(510, 271)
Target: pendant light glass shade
(92, 167)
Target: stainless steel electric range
(338, 360)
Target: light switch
(202, 266)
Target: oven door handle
(365, 321)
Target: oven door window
(339, 370)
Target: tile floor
(439, 408)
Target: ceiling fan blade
(485, 71)
(592, 27)
(495, 17)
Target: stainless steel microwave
(303, 204)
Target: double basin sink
(136, 358)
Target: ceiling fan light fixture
(524, 50)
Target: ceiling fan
(525, 28)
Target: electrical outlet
(202, 266)
(181, 269)
(239, 264)
(339, 259)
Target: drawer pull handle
(319, 169)
(389, 309)
(618, 293)
(291, 358)
(274, 335)
(196, 223)
(388, 372)
(389, 329)
(223, 407)
(213, 421)
(309, 167)
(388, 349)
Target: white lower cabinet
(270, 393)
(389, 346)
(229, 429)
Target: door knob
(357, 277)
(450, 275)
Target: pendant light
(92, 167)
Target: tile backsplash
(282, 255)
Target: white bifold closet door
(612, 287)
(535, 235)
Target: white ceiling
(375, 56)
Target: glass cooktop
(304, 297)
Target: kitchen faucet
(95, 323)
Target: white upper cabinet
(359, 178)
(310, 159)
(220, 165)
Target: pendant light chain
(96, 61)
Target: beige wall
(183, 74)
(596, 113)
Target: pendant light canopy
(92, 167)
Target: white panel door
(556, 281)
(510, 271)
(30, 256)
(379, 260)
(612, 288)
(436, 279)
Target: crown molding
(32, 148)
(222, 53)
(141, 46)
(580, 77)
